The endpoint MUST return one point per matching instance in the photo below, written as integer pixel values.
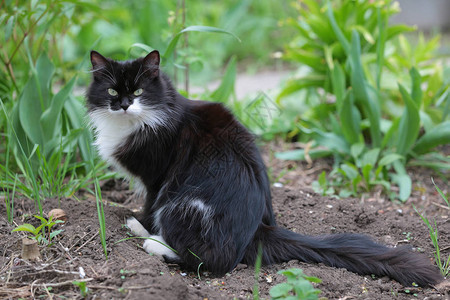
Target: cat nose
(125, 103)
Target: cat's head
(132, 90)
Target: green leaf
(226, 88)
(339, 84)
(55, 233)
(300, 154)
(75, 111)
(337, 30)
(30, 110)
(366, 172)
(51, 115)
(357, 149)
(382, 21)
(280, 290)
(291, 273)
(295, 85)
(44, 73)
(405, 185)
(409, 125)
(38, 229)
(349, 170)
(398, 29)
(171, 47)
(308, 58)
(440, 193)
(312, 279)
(332, 141)
(350, 119)
(364, 94)
(389, 158)
(366, 34)
(25, 227)
(9, 27)
(438, 135)
(322, 179)
(43, 220)
(416, 90)
(141, 46)
(371, 157)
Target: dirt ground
(131, 273)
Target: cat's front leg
(154, 244)
(136, 227)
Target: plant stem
(186, 44)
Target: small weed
(322, 186)
(444, 265)
(199, 265)
(298, 286)
(84, 290)
(124, 273)
(43, 233)
(407, 235)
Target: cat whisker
(142, 73)
(106, 73)
(137, 74)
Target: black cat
(205, 184)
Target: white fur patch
(198, 204)
(157, 218)
(112, 127)
(136, 227)
(158, 246)
(140, 190)
(192, 210)
(197, 208)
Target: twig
(79, 240)
(90, 239)
(14, 293)
(122, 287)
(440, 205)
(53, 271)
(68, 282)
(445, 249)
(48, 293)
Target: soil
(130, 273)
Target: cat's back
(214, 120)
(214, 128)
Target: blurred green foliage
(365, 93)
(44, 68)
(370, 98)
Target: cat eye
(138, 92)
(112, 92)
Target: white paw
(136, 227)
(158, 246)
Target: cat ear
(98, 61)
(151, 62)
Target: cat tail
(354, 252)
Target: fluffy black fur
(198, 151)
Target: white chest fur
(112, 131)
(112, 128)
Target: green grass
(258, 262)
(441, 262)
